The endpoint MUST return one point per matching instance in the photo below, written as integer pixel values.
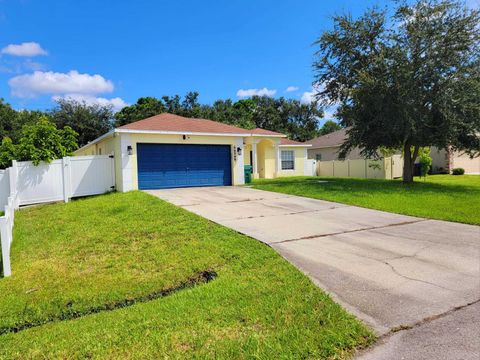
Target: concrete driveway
(400, 274)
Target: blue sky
(117, 51)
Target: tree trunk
(409, 162)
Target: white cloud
(24, 49)
(308, 97)
(116, 103)
(40, 83)
(258, 92)
(291, 88)
(329, 112)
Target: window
(288, 160)
(318, 157)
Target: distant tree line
(298, 121)
(77, 123)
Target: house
(168, 151)
(444, 160)
(326, 147)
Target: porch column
(239, 178)
(277, 160)
(255, 160)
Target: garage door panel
(179, 165)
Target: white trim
(164, 132)
(160, 132)
(294, 162)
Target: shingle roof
(333, 139)
(175, 123)
(286, 141)
(259, 131)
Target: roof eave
(100, 138)
(163, 132)
(325, 147)
(295, 145)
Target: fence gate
(64, 179)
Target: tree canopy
(39, 142)
(299, 121)
(89, 120)
(46, 135)
(406, 81)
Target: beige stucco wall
(331, 153)
(460, 160)
(439, 159)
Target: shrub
(425, 161)
(458, 171)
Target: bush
(425, 161)
(458, 171)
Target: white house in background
(168, 151)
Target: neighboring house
(326, 147)
(168, 151)
(444, 160)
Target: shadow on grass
(367, 185)
(68, 313)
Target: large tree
(406, 81)
(88, 120)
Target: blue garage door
(163, 166)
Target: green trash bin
(248, 173)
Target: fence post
(13, 182)
(66, 178)
(5, 240)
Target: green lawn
(73, 262)
(444, 197)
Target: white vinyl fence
(60, 180)
(310, 167)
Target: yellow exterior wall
(299, 162)
(104, 147)
(126, 165)
(266, 159)
(246, 154)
